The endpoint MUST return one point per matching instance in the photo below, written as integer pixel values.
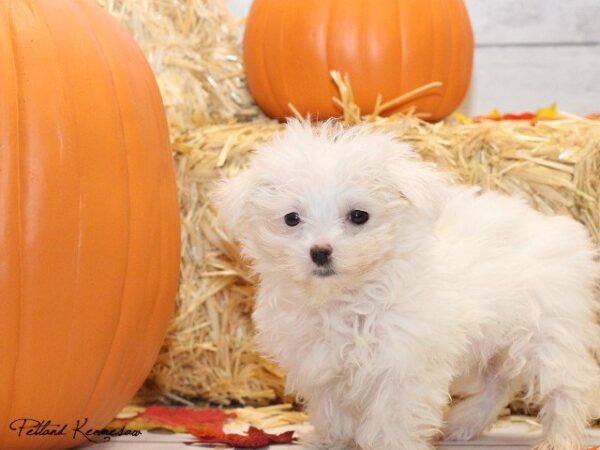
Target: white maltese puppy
(384, 288)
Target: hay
(192, 46)
(209, 352)
(269, 417)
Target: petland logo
(33, 427)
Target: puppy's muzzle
(321, 254)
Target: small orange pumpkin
(89, 221)
(387, 47)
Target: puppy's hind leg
(567, 378)
(472, 416)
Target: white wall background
(529, 54)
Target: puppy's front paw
(550, 444)
(462, 431)
(467, 420)
(317, 441)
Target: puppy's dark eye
(292, 219)
(358, 217)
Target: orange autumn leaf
(174, 419)
(494, 114)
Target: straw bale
(193, 48)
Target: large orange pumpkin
(387, 47)
(89, 233)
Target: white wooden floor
(519, 433)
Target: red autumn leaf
(522, 116)
(185, 416)
(283, 438)
(497, 117)
(175, 419)
(255, 438)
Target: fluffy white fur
(444, 290)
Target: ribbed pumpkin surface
(385, 46)
(89, 232)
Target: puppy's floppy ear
(232, 197)
(420, 183)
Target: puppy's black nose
(321, 255)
